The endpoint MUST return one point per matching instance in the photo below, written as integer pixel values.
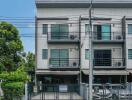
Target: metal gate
(55, 92)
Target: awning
(107, 72)
(47, 72)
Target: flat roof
(84, 3)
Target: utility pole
(91, 54)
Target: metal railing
(114, 62)
(111, 37)
(64, 62)
(62, 37)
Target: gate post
(26, 91)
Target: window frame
(87, 56)
(60, 34)
(128, 29)
(87, 33)
(129, 55)
(45, 32)
(46, 54)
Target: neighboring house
(62, 41)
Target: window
(45, 28)
(102, 58)
(59, 57)
(129, 53)
(129, 28)
(59, 31)
(44, 53)
(102, 32)
(87, 28)
(87, 54)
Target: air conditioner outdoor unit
(72, 37)
(74, 64)
(118, 63)
(118, 37)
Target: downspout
(35, 50)
(79, 46)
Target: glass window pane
(129, 28)
(54, 60)
(106, 32)
(64, 55)
(87, 54)
(87, 28)
(54, 31)
(64, 30)
(54, 53)
(45, 28)
(44, 53)
(129, 53)
(59, 31)
(59, 57)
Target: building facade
(62, 41)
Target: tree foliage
(13, 83)
(10, 47)
(30, 62)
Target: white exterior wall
(73, 14)
(43, 44)
(128, 45)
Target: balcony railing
(109, 37)
(63, 38)
(109, 63)
(64, 63)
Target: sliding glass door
(102, 32)
(59, 31)
(59, 57)
(106, 32)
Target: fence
(55, 92)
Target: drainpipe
(79, 46)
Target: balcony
(69, 38)
(106, 63)
(64, 63)
(110, 38)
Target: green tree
(30, 62)
(30, 65)
(10, 47)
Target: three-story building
(62, 41)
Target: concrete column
(26, 92)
